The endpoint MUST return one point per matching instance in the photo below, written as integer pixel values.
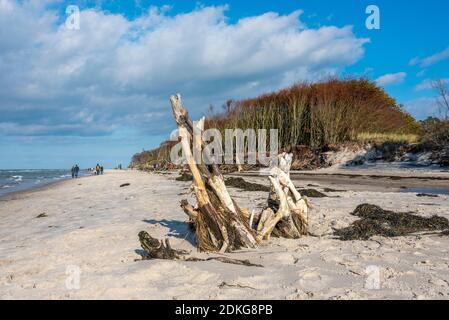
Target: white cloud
(430, 60)
(391, 78)
(414, 61)
(421, 73)
(113, 69)
(427, 84)
(435, 58)
(422, 107)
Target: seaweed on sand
(333, 190)
(42, 215)
(185, 177)
(240, 183)
(312, 193)
(427, 195)
(376, 221)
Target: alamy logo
(373, 20)
(73, 17)
(73, 280)
(240, 147)
(372, 281)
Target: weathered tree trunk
(291, 217)
(220, 224)
(155, 249)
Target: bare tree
(441, 88)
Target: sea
(20, 179)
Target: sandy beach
(91, 224)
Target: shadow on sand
(177, 229)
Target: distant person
(77, 170)
(120, 166)
(101, 169)
(73, 172)
(97, 169)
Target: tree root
(228, 260)
(156, 249)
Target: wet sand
(367, 180)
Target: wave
(17, 178)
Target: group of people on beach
(99, 169)
(75, 170)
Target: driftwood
(156, 249)
(287, 212)
(220, 224)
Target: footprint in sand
(285, 258)
(312, 281)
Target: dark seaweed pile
(333, 190)
(312, 193)
(245, 185)
(378, 222)
(185, 177)
(242, 184)
(427, 195)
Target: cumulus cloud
(391, 78)
(115, 72)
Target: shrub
(435, 133)
(319, 114)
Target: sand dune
(90, 225)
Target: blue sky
(100, 93)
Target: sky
(98, 91)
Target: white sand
(93, 224)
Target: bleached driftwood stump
(287, 212)
(220, 224)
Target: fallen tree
(221, 225)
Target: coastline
(13, 195)
(369, 180)
(428, 179)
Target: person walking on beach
(97, 169)
(101, 169)
(73, 172)
(76, 171)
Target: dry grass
(384, 137)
